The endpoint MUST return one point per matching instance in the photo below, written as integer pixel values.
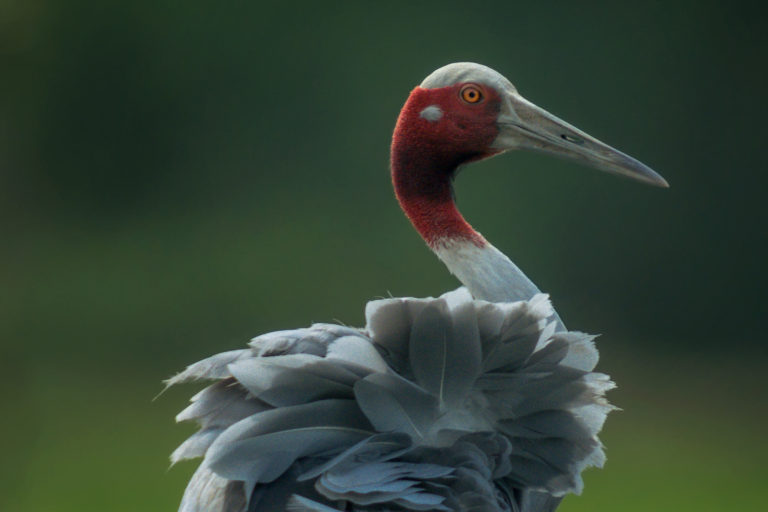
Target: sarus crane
(479, 400)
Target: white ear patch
(432, 113)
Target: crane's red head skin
(427, 148)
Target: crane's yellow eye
(471, 94)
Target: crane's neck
(422, 172)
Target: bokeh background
(177, 177)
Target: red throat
(425, 155)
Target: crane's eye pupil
(471, 94)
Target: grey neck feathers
(487, 273)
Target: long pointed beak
(523, 125)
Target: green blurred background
(177, 177)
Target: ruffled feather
(438, 404)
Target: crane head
(466, 111)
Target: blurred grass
(90, 441)
(686, 439)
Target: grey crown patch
(460, 72)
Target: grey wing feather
(393, 404)
(221, 404)
(534, 501)
(196, 445)
(208, 492)
(210, 368)
(445, 351)
(276, 496)
(298, 503)
(313, 340)
(280, 385)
